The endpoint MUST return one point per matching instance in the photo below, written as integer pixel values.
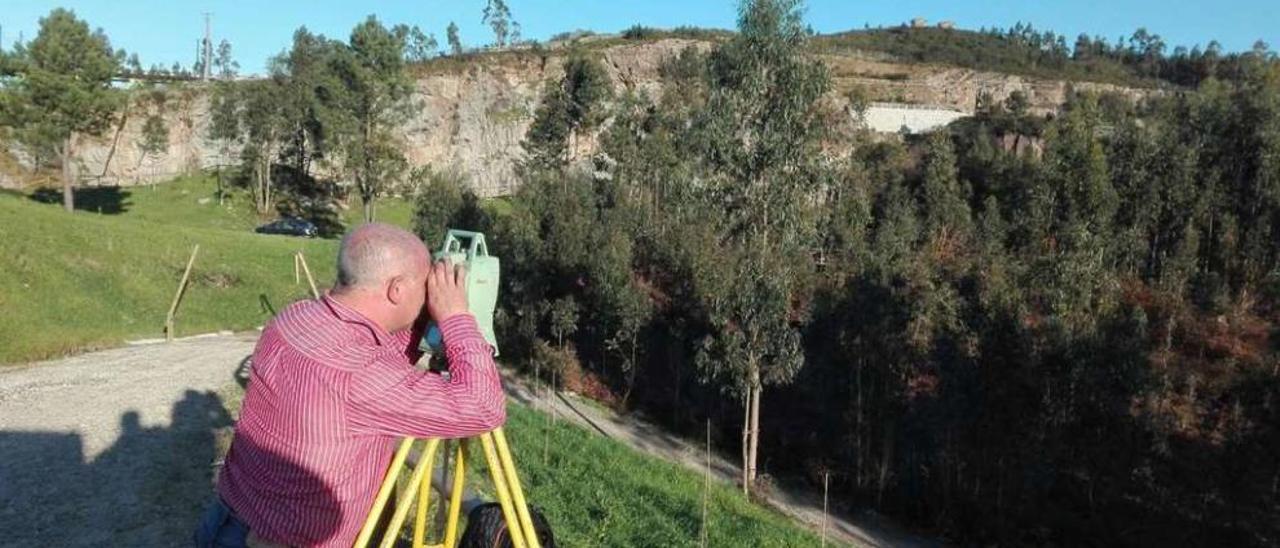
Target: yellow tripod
(502, 472)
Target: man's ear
(395, 289)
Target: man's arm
(393, 398)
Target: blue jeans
(220, 528)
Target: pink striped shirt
(330, 392)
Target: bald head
(374, 253)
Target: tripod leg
(455, 497)
(503, 491)
(424, 495)
(517, 492)
(402, 505)
(384, 492)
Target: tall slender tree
(226, 64)
(224, 125)
(759, 133)
(376, 95)
(497, 14)
(451, 36)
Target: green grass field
(90, 280)
(599, 492)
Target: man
(334, 385)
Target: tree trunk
(262, 187)
(746, 429)
(886, 455)
(857, 435)
(366, 178)
(68, 191)
(755, 433)
(631, 375)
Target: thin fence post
(177, 296)
(551, 417)
(546, 426)
(704, 535)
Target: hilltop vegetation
(1141, 59)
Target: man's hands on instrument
(446, 291)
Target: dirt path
(117, 447)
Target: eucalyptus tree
(759, 134)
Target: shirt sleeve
(391, 397)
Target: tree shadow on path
(107, 200)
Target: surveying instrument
(520, 532)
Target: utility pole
(206, 68)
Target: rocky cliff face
(472, 116)
(473, 120)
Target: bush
(639, 32)
(444, 200)
(571, 35)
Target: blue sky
(164, 31)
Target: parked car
(290, 227)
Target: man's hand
(446, 291)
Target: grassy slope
(73, 282)
(598, 492)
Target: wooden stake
(177, 296)
(546, 426)
(303, 260)
(297, 272)
(554, 390)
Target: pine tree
(64, 91)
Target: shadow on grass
(107, 200)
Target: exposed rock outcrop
(471, 114)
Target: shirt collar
(351, 315)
